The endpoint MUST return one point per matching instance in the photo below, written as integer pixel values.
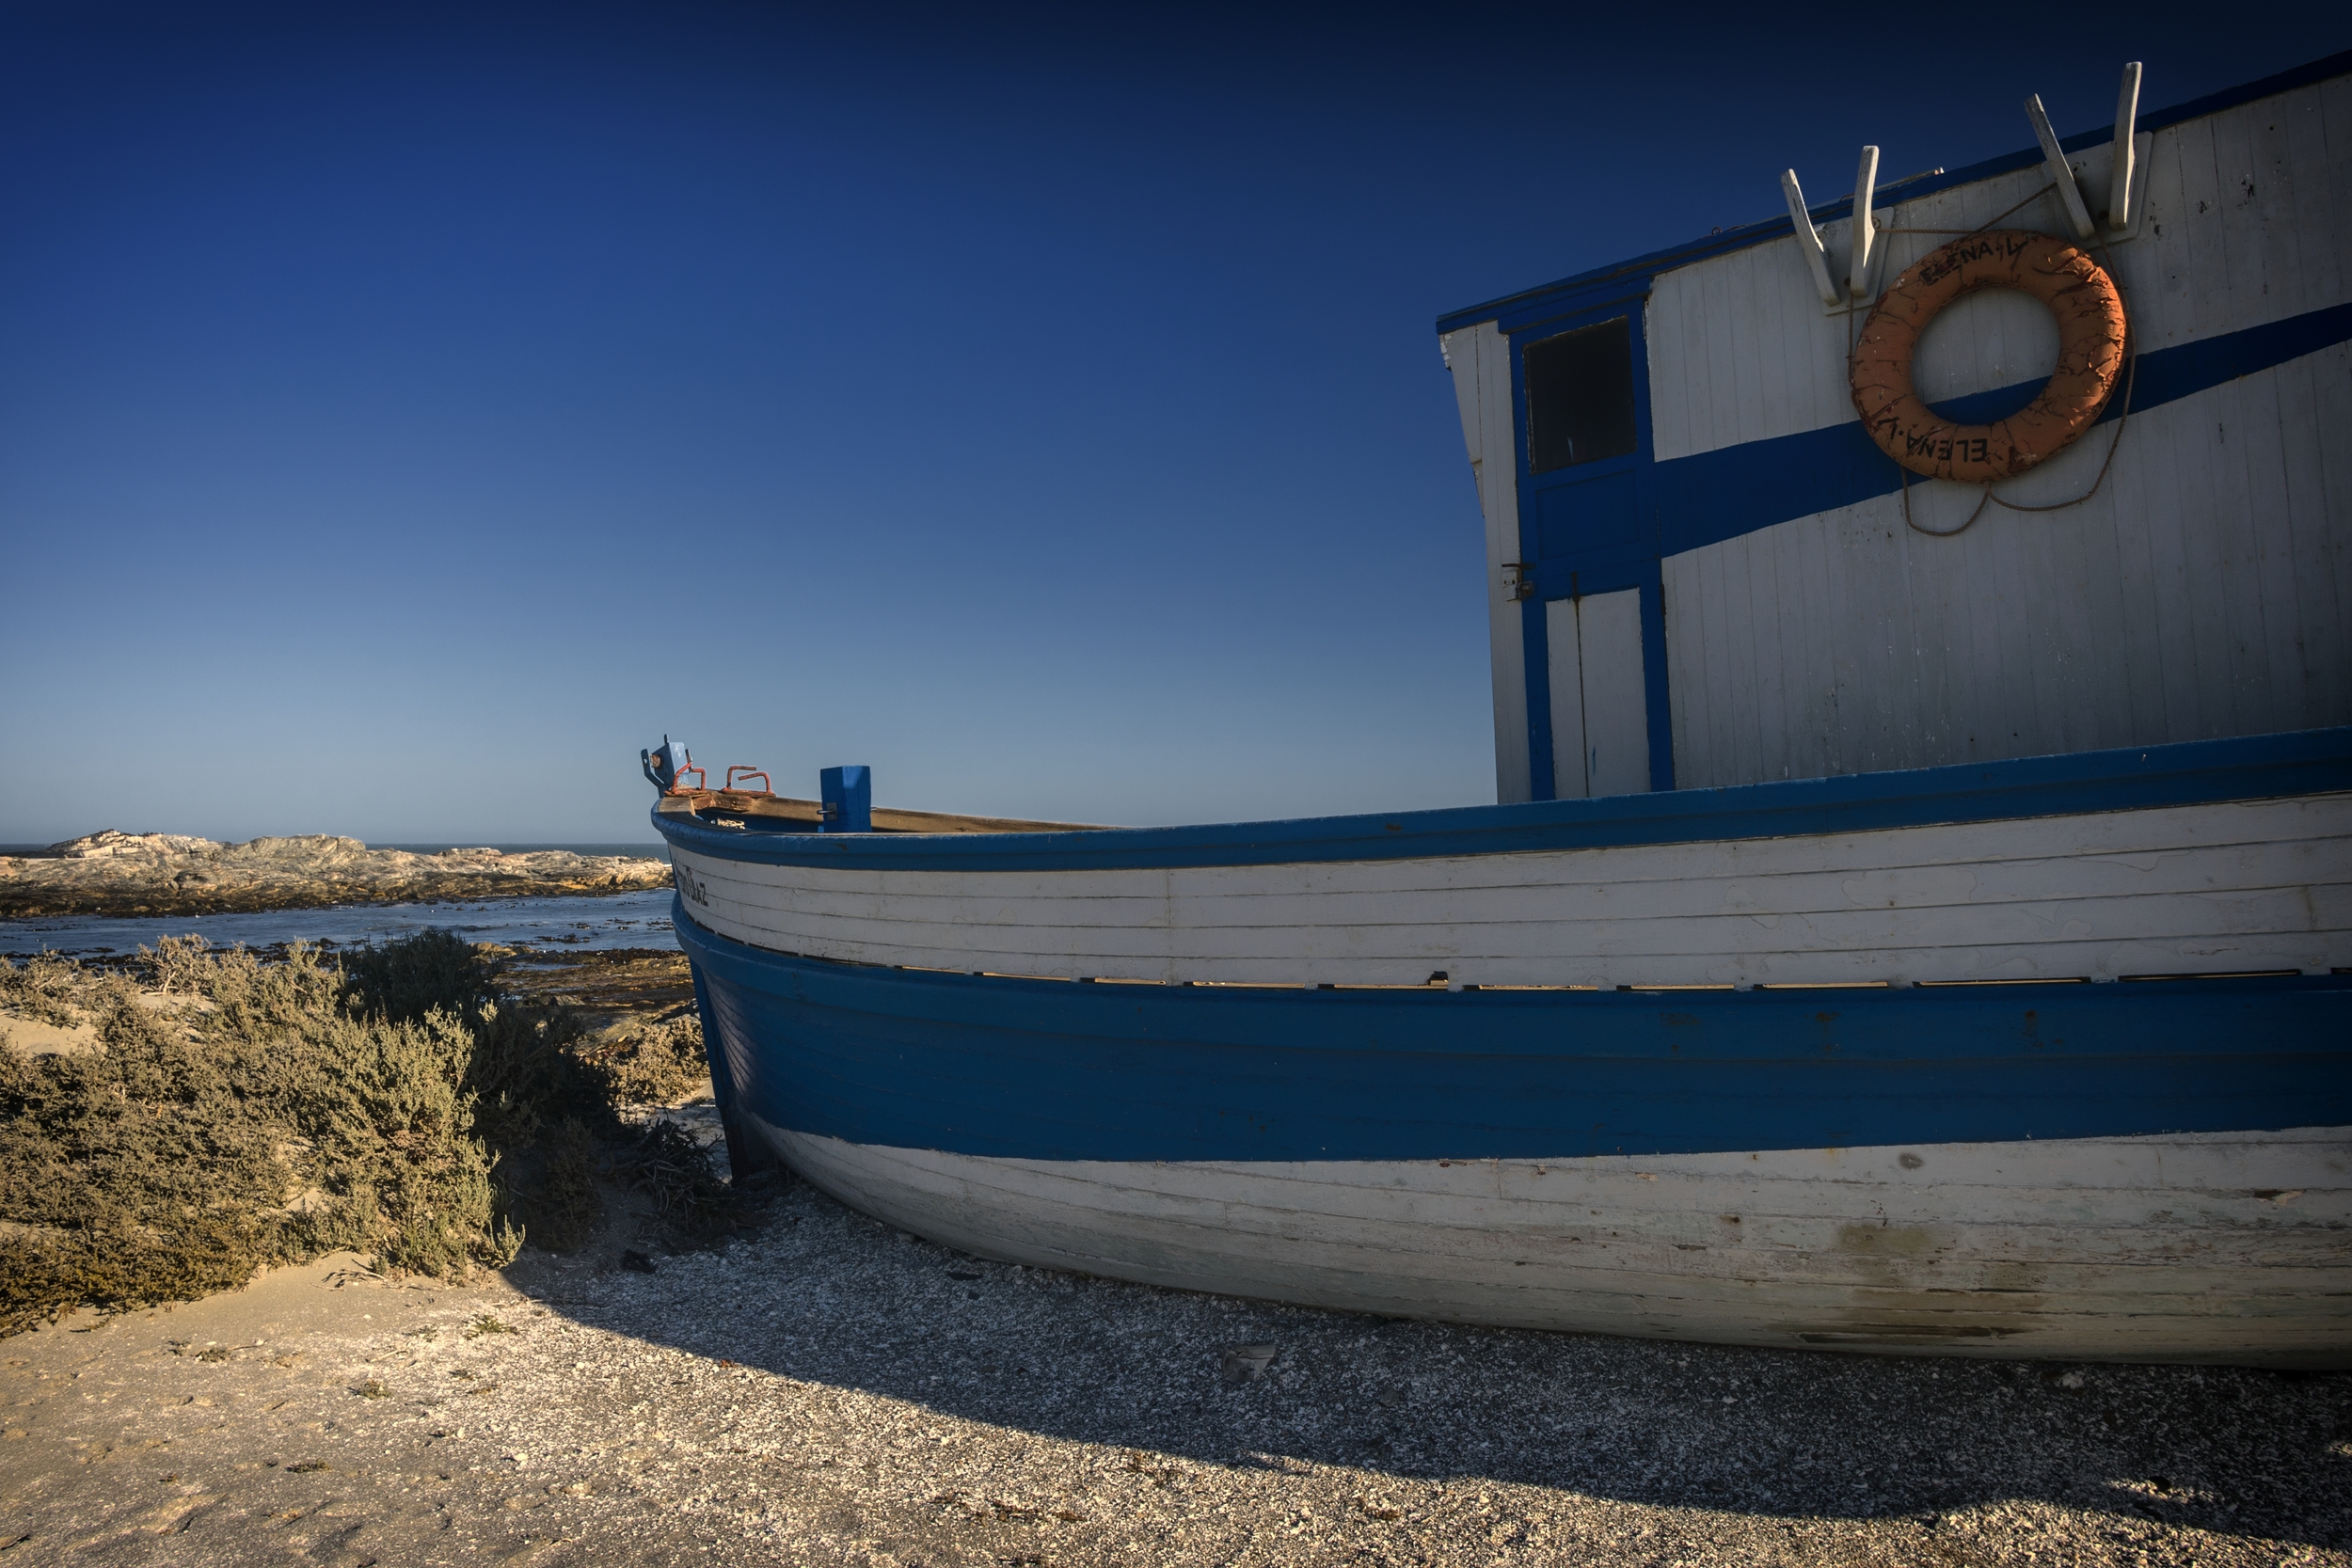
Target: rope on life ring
(2092, 342)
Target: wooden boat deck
(787, 813)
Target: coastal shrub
(525, 1070)
(566, 1208)
(240, 1114)
(43, 987)
(529, 1073)
(246, 1115)
(263, 1123)
(403, 980)
(656, 1064)
(178, 964)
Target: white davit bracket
(2094, 171)
(1865, 240)
(2060, 172)
(1836, 239)
(1808, 240)
(2121, 209)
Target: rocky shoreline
(170, 874)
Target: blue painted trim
(2168, 374)
(1543, 775)
(1060, 1070)
(1715, 496)
(1543, 772)
(1534, 625)
(1514, 310)
(1657, 699)
(2252, 767)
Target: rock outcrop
(146, 874)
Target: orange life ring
(2092, 334)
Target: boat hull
(2214, 857)
(2151, 1172)
(2092, 1249)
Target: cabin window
(1579, 396)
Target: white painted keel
(2224, 1248)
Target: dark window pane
(1579, 396)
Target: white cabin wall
(2203, 591)
(1480, 359)
(1616, 711)
(1741, 349)
(1566, 685)
(1600, 701)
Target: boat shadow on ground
(822, 1295)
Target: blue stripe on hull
(1064, 1071)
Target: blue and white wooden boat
(1890, 934)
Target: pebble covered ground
(823, 1390)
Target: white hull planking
(2236, 887)
(2221, 1247)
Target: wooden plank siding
(1480, 360)
(2246, 224)
(2231, 887)
(2204, 590)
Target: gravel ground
(824, 1389)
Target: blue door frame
(1585, 566)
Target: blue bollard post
(847, 797)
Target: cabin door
(1591, 555)
(1599, 712)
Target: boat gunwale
(2183, 773)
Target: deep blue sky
(406, 414)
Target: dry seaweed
(675, 1172)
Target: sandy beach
(822, 1389)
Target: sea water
(579, 920)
